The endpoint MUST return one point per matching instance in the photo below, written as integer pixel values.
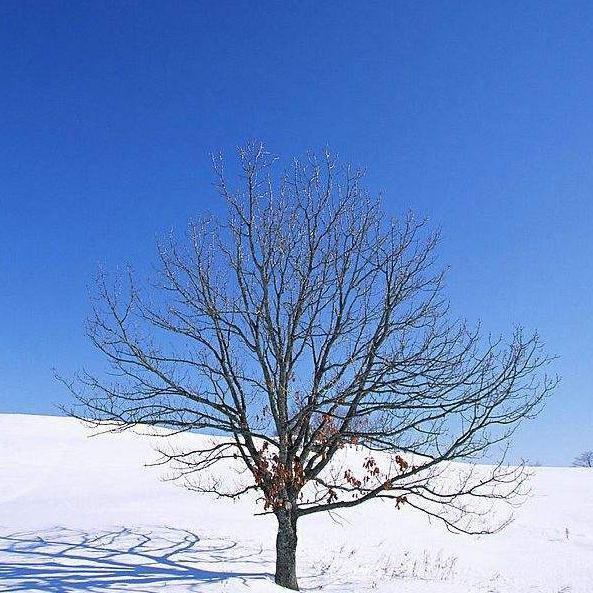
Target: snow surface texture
(85, 514)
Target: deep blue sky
(478, 115)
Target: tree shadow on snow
(131, 560)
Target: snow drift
(80, 513)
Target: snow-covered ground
(85, 514)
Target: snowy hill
(85, 514)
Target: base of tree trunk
(286, 544)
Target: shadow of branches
(125, 559)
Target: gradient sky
(478, 115)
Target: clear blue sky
(478, 115)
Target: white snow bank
(85, 514)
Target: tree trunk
(286, 544)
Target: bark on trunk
(286, 545)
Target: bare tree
(302, 325)
(585, 459)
